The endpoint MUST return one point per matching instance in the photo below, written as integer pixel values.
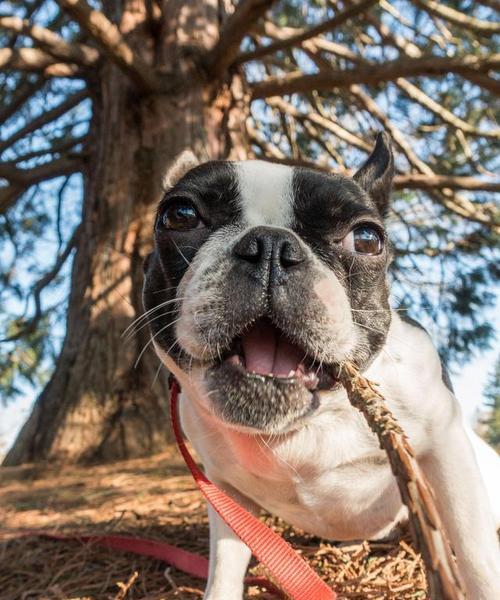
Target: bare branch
(457, 204)
(24, 91)
(352, 10)
(373, 74)
(417, 94)
(57, 147)
(321, 121)
(44, 118)
(21, 179)
(35, 60)
(31, 325)
(247, 13)
(487, 28)
(420, 181)
(10, 194)
(109, 38)
(444, 114)
(484, 81)
(51, 42)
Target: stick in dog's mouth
(265, 351)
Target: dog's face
(264, 278)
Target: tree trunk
(98, 405)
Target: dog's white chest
(329, 479)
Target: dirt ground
(153, 498)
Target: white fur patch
(266, 193)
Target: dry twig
(425, 524)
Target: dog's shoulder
(426, 342)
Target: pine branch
(486, 28)
(237, 26)
(51, 42)
(112, 43)
(426, 526)
(46, 117)
(373, 74)
(35, 60)
(352, 10)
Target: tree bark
(97, 406)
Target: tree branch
(444, 114)
(24, 91)
(487, 28)
(224, 53)
(112, 43)
(51, 42)
(484, 81)
(21, 179)
(41, 284)
(372, 74)
(352, 10)
(58, 145)
(322, 122)
(44, 118)
(414, 181)
(35, 60)
(415, 93)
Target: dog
(263, 279)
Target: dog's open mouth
(265, 351)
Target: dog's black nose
(269, 249)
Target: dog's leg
(464, 507)
(229, 557)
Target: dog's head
(264, 278)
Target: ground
(154, 498)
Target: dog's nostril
(249, 248)
(291, 254)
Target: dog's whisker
(180, 252)
(152, 340)
(135, 331)
(146, 314)
(157, 374)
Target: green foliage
(22, 361)
(492, 395)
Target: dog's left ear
(183, 163)
(376, 175)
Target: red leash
(188, 562)
(294, 576)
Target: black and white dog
(263, 279)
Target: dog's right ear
(184, 162)
(376, 175)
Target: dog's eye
(364, 240)
(181, 217)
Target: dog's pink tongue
(266, 352)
